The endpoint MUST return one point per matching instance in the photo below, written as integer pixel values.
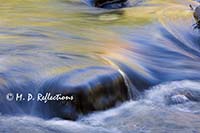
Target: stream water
(153, 43)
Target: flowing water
(153, 43)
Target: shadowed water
(152, 44)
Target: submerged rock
(67, 96)
(173, 93)
(178, 99)
(110, 4)
(183, 96)
(93, 88)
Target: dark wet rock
(110, 4)
(93, 88)
(197, 13)
(197, 16)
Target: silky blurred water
(153, 42)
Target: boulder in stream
(91, 89)
(197, 17)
